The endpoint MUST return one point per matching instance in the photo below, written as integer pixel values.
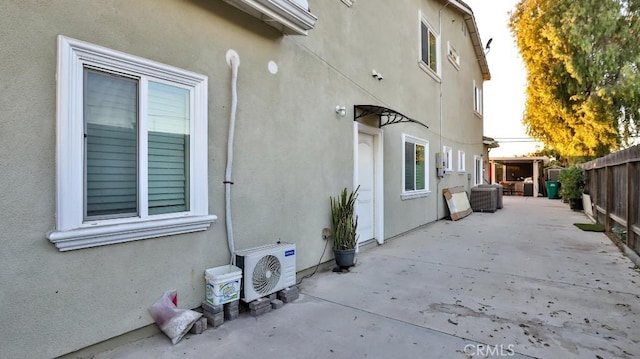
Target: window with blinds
(415, 165)
(168, 141)
(112, 140)
(131, 148)
(111, 145)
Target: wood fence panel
(614, 185)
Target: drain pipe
(233, 60)
(440, 102)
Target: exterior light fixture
(341, 110)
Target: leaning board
(458, 202)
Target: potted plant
(572, 187)
(345, 224)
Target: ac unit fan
(266, 269)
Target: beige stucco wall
(291, 152)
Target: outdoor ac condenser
(266, 269)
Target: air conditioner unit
(266, 269)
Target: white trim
(461, 162)
(477, 100)
(126, 232)
(448, 158)
(288, 16)
(71, 228)
(453, 56)
(378, 151)
(478, 171)
(404, 195)
(436, 75)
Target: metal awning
(391, 116)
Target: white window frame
(478, 170)
(415, 193)
(72, 230)
(477, 99)
(453, 56)
(425, 67)
(461, 161)
(448, 158)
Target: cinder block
(290, 298)
(231, 312)
(289, 291)
(261, 311)
(231, 315)
(215, 320)
(273, 296)
(199, 326)
(259, 303)
(289, 295)
(276, 304)
(232, 305)
(210, 308)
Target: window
(415, 167)
(448, 158)
(429, 49)
(478, 170)
(477, 99)
(461, 161)
(131, 148)
(453, 56)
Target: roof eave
(470, 21)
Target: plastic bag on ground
(173, 321)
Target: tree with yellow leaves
(583, 94)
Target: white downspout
(440, 103)
(233, 60)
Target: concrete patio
(521, 282)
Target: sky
(504, 94)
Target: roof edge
(478, 48)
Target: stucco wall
(291, 153)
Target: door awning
(390, 116)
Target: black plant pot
(344, 257)
(576, 204)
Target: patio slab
(521, 282)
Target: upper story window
(415, 167)
(131, 148)
(429, 49)
(477, 99)
(452, 55)
(448, 158)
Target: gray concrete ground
(521, 282)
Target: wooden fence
(613, 182)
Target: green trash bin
(552, 189)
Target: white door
(366, 194)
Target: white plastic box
(222, 284)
